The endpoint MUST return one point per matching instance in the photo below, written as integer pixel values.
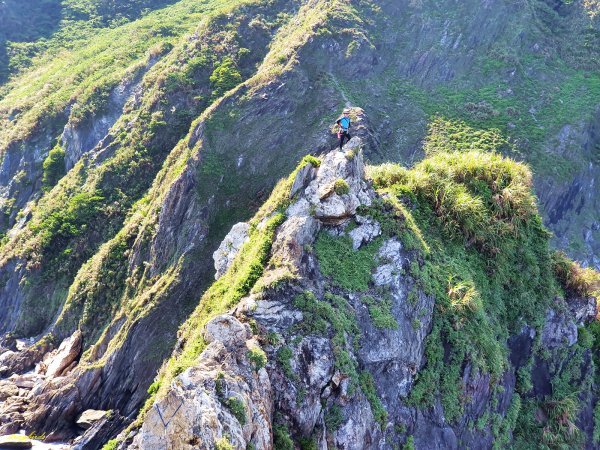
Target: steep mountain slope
(32, 27)
(127, 156)
(373, 319)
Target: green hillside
(135, 134)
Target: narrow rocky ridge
(165, 264)
(231, 395)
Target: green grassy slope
(486, 258)
(90, 203)
(530, 71)
(31, 28)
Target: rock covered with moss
(376, 336)
(226, 395)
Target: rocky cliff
(334, 343)
(416, 307)
(130, 152)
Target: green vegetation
(576, 280)
(71, 221)
(341, 187)
(88, 62)
(228, 290)
(95, 295)
(335, 312)
(225, 77)
(503, 427)
(153, 388)
(238, 409)
(539, 97)
(333, 418)
(308, 444)
(310, 159)
(471, 214)
(551, 421)
(367, 385)
(346, 267)
(54, 167)
(111, 445)
(284, 355)
(31, 27)
(220, 384)
(380, 312)
(466, 212)
(223, 444)
(257, 357)
(454, 135)
(410, 443)
(140, 141)
(281, 438)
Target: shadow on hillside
(26, 21)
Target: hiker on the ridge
(344, 127)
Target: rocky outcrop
(339, 187)
(89, 417)
(230, 247)
(223, 398)
(26, 391)
(347, 385)
(58, 362)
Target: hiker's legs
(344, 137)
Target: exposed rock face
(11, 296)
(394, 356)
(90, 417)
(365, 233)
(221, 397)
(78, 140)
(57, 362)
(230, 246)
(303, 391)
(335, 202)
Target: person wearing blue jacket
(344, 127)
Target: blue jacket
(344, 122)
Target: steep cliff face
(121, 121)
(342, 341)
(126, 159)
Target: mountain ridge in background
(135, 135)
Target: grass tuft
(348, 268)
(341, 187)
(576, 280)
